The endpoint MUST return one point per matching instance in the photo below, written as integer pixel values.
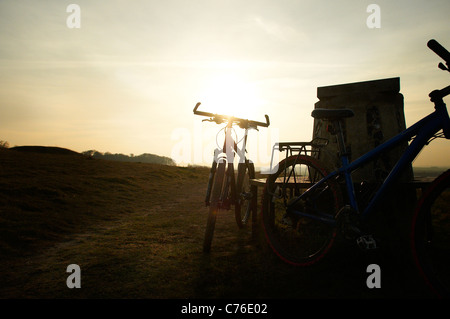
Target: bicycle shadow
(241, 266)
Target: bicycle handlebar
(221, 118)
(439, 94)
(439, 50)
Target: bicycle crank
(347, 219)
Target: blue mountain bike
(304, 206)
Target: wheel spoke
(298, 239)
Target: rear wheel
(430, 236)
(296, 239)
(244, 194)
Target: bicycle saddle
(331, 114)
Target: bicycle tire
(430, 236)
(214, 206)
(212, 173)
(291, 241)
(244, 194)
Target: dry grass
(136, 231)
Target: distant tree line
(143, 158)
(4, 144)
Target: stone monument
(379, 115)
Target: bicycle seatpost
(339, 132)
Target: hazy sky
(127, 80)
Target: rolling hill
(136, 231)
(47, 193)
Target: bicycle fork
(212, 172)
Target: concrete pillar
(379, 115)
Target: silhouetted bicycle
(224, 189)
(303, 205)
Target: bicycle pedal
(366, 242)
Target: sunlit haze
(127, 79)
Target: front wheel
(214, 206)
(295, 238)
(430, 236)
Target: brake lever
(443, 67)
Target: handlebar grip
(201, 112)
(196, 106)
(439, 50)
(255, 123)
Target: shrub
(4, 144)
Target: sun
(232, 95)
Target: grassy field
(136, 231)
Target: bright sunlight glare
(232, 95)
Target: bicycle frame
(230, 148)
(422, 132)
